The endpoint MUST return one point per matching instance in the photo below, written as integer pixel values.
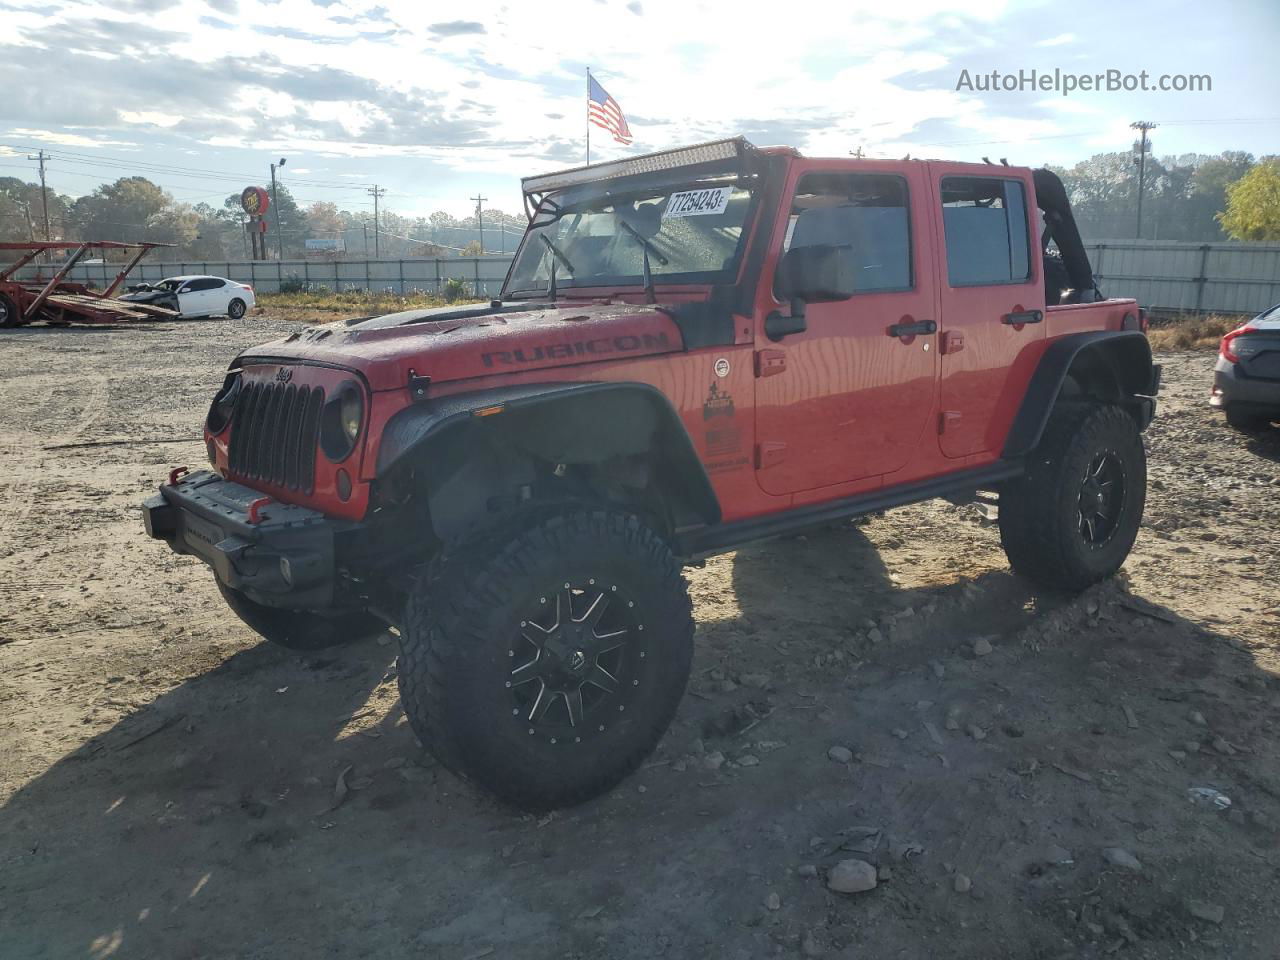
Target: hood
(458, 343)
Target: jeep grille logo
(284, 375)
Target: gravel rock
(757, 681)
(1224, 748)
(1196, 717)
(713, 761)
(962, 884)
(772, 901)
(840, 754)
(977, 732)
(900, 733)
(939, 670)
(981, 647)
(1122, 858)
(806, 870)
(852, 876)
(810, 946)
(748, 760)
(1201, 910)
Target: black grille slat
(280, 434)
(266, 427)
(244, 419)
(293, 437)
(249, 463)
(310, 435)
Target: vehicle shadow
(1264, 442)
(278, 806)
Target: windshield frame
(550, 208)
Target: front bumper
(284, 556)
(1232, 389)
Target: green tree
(1253, 204)
(21, 215)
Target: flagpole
(588, 116)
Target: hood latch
(418, 386)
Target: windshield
(598, 238)
(169, 285)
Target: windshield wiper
(557, 253)
(649, 295)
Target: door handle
(909, 328)
(1021, 317)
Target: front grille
(274, 432)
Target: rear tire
(1072, 518)
(236, 309)
(545, 663)
(298, 629)
(9, 315)
(1245, 422)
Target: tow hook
(176, 474)
(256, 515)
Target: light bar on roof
(649, 163)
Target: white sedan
(196, 296)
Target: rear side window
(208, 283)
(985, 223)
(867, 212)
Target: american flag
(603, 111)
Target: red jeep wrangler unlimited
(693, 349)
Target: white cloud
(1057, 41)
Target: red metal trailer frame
(58, 301)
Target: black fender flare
(1125, 353)
(613, 406)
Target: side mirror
(816, 274)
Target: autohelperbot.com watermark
(1066, 82)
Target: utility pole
(1144, 126)
(44, 199)
(480, 218)
(279, 242)
(375, 191)
(365, 224)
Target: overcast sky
(437, 101)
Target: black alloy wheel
(573, 659)
(1101, 499)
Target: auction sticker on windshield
(698, 203)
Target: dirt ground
(167, 782)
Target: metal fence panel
(1161, 275)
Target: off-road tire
(1246, 422)
(9, 314)
(298, 629)
(1042, 526)
(462, 642)
(236, 309)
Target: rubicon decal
(601, 346)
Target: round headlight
(340, 422)
(352, 412)
(224, 404)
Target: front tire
(236, 309)
(1072, 518)
(299, 630)
(545, 663)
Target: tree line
(1193, 197)
(134, 209)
